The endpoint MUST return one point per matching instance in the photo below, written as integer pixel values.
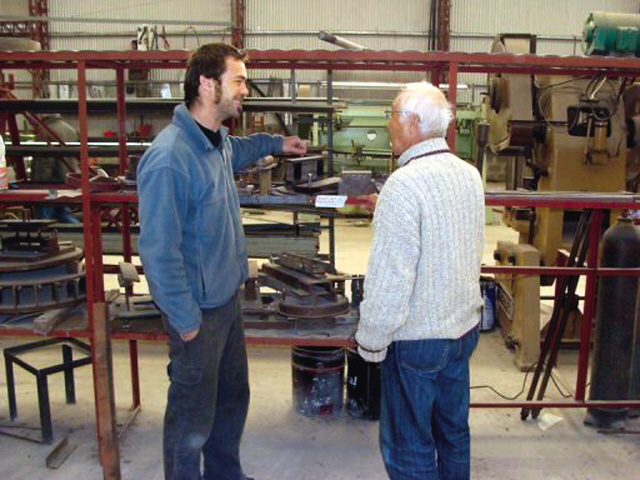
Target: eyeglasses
(389, 113)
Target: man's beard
(230, 110)
(218, 93)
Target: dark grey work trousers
(208, 398)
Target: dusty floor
(280, 444)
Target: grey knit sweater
(424, 266)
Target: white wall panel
(118, 35)
(474, 24)
(14, 7)
(293, 24)
(400, 26)
(309, 41)
(22, 78)
(471, 44)
(540, 17)
(339, 15)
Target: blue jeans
(208, 398)
(424, 411)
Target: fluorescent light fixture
(460, 86)
(37, 143)
(339, 41)
(378, 85)
(385, 85)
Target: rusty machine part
(37, 272)
(304, 169)
(310, 288)
(97, 183)
(357, 182)
(286, 176)
(306, 175)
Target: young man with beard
(193, 251)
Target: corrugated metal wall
(542, 17)
(410, 15)
(557, 23)
(402, 26)
(405, 26)
(399, 24)
(118, 36)
(18, 8)
(293, 24)
(13, 7)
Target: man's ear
(207, 85)
(414, 124)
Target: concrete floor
(281, 444)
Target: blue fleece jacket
(191, 238)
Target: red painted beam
(337, 60)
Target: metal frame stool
(67, 366)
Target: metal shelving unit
(436, 64)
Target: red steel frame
(238, 34)
(433, 63)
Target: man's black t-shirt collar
(214, 137)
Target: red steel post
(589, 305)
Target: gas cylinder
(615, 323)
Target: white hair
(429, 104)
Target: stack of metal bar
(310, 288)
(37, 272)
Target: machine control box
(582, 118)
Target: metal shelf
(333, 60)
(437, 64)
(138, 105)
(71, 150)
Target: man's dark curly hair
(208, 60)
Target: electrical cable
(592, 88)
(564, 82)
(506, 397)
(184, 36)
(588, 90)
(565, 395)
(524, 383)
(545, 95)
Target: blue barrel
(318, 379)
(487, 315)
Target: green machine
(361, 139)
(467, 116)
(608, 33)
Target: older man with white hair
(422, 300)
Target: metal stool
(67, 366)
